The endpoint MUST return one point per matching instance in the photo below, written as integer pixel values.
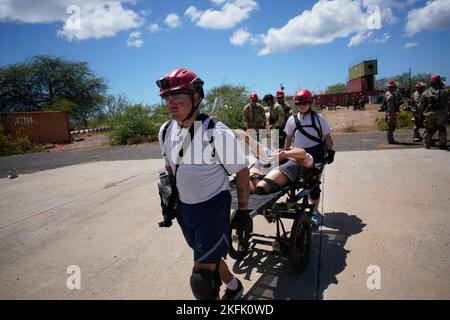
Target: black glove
(330, 156)
(241, 219)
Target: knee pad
(315, 193)
(205, 284)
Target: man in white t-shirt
(200, 161)
(310, 131)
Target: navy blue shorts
(317, 152)
(206, 227)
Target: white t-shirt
(301, 141)
(201, 176)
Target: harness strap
(301, 127)
(273, 183)
(256, 176)
(211, 124)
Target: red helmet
(302, 96)
(253, 97)
(180, 81)
(392, 83)
(280, 94)
(420, 84)
(436, 79)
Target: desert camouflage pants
(418, 123)
(435, 121)
(391, 124)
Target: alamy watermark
(207, 146)
(73, 22)
(73, 282)
(374, 19)
(374, 280)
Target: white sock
(233, 284)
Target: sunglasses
(175, 99)
(163, 83)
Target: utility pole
(409, 80)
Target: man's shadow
(278, 280)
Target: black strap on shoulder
(314, 116)
(164, 132)
(299, 127)
(211, 124)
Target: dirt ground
(360, 121)
(86, 141)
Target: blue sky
(256, 43)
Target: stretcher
(295, 245)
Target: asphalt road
(27, 163)
(383, 234)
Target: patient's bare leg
(276, 176)
(254, 181)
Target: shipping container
(362, 69)
(39, 127)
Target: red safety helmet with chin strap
(280, 94)
(419, 84)
(180, 81)
(253, 97)
(392, 83)
(302, 96)
(436, 79)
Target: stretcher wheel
(240, 241)
(300, 242)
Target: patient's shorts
(291, 169)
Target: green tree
(336, 88)
(133, 124)
(403, 80)
(235, 97)
(51, 83)
(112, 105)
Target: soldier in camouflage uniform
(391, 103)
(255, 116)
(417, 113)
(276, 118)
(435, 110)
(281, 103)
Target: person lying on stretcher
(275, 169)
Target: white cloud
(98, 21)
(154, 28)
(387, 16)
(134, 40)
(325, 22)
(173, 20)
(240, 37)
(411, 2)
(385, 37)
(359, 38)
(218, 2)
(230, 14)
(145, 12)
(410, 45)
(435, 15)
(86, 19)
(386, 6)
